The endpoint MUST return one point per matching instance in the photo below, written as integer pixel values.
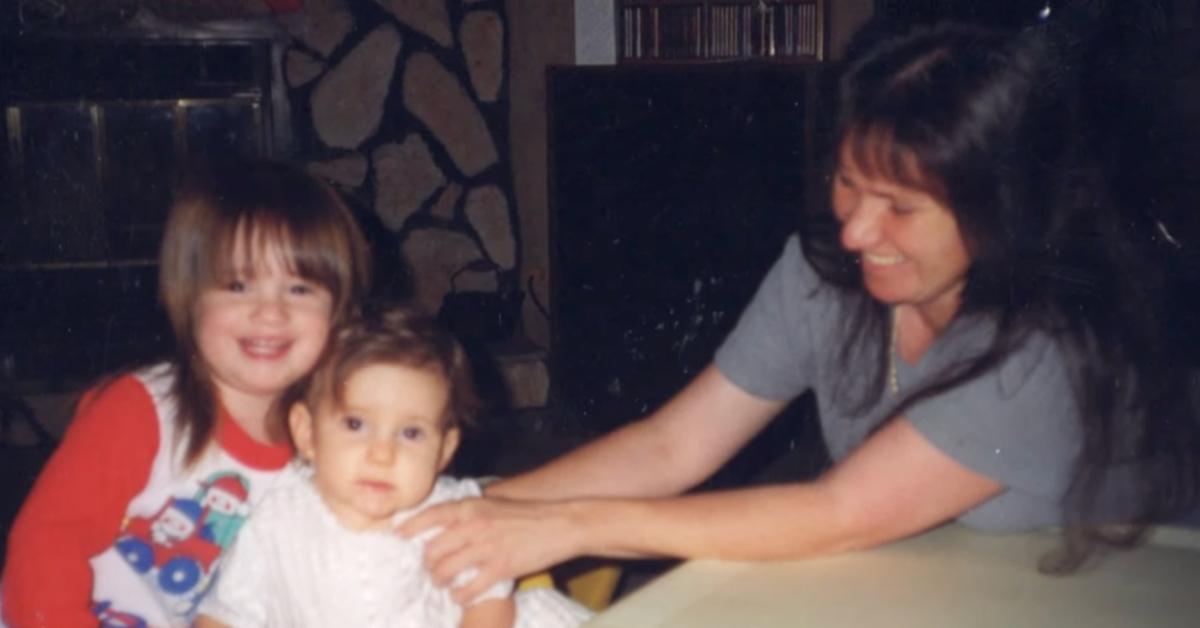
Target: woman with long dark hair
(982, 324)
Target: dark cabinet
(673, 190)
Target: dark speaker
(673, 189)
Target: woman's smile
(881, 260)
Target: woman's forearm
(895, 485)
(775, 522)
(629, 462)
(503, 539)
(666, 453)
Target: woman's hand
(499, 538)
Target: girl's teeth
(264, 344)
(264, 347)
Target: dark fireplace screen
(95, 134)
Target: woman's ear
(300, 421)
(449, 445)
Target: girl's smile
(265, 348)
(260, 330)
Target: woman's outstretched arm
(666, 453)
(894, 485)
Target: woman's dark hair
(994, 123)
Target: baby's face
(381, 451)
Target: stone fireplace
(402, 105)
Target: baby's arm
(493, 613)
(204, 621)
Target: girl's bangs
(258, 234)
(240, 244)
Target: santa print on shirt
(176, 550)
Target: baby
(378, 421)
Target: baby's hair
(254, 205)
(396, 335)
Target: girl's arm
(76, 507)
(494, 613)
(894, 485)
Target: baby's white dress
(295, 565)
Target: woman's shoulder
(786, 332)
(795, 266)
(793, 288)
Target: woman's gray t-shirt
(1015, 424)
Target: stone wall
(403, 105)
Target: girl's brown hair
(253, 203)
(401, 336)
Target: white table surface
(950, 576)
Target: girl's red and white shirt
(118, 528)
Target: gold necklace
(893, 377)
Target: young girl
(379, 421)
(129, 520)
